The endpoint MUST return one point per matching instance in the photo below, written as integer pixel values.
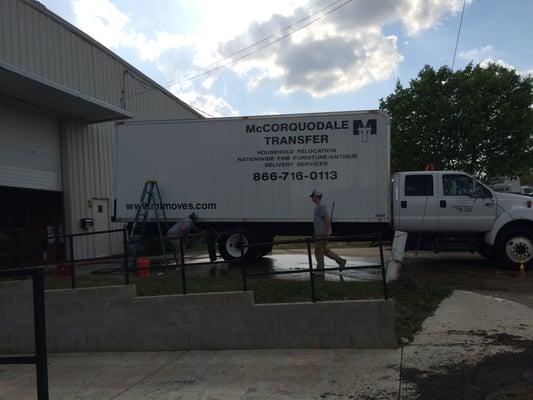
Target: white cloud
(340, 53)
(488, 61)
(212, 105)
(334, 65)
(487, 55)
(478, 54)
(104, 22)
(419, 15)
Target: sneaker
(342, 264)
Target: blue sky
(345, 60)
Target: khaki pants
(177, 249)
(321, 250)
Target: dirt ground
(501, 376)
(470, 272)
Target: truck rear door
(416, 203)
(462, 210)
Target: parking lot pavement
(251, 374)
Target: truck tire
(515, 244)
(229, 246)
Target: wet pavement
(278, 261)
(293, 262)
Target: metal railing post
(383, 274)
(125, 258)
(311, 274)
(243, 265)
(71, 249)
(182, 259)
(39, 319)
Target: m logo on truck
(359, 128)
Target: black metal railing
(208, 235)
(39, 319)
(312, 272)
(126, 268)
(72, 260)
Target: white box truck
(256, 174)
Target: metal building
(60, 93)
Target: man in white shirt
(322, 229)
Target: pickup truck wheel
(516, 245)
(229, 246)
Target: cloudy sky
(249, 57)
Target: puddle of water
(288, 262)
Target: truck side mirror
(470, 193)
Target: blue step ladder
(150, 201)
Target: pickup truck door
(416, 203)
(462, 210)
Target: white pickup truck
(443, 210)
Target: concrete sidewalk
(467, 330)
(252, 374)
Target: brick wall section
(114, 319)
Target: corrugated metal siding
(35, 40)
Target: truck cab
(448, 210)
(527, 190)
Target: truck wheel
(515, 245)
(230, 246)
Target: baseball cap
(316, 193)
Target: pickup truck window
(463, 185)
(419, 185)
(457, 185)
(482, 192)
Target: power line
(458, 33)
(208, 71)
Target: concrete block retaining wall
(115, 319)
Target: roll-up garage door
(30, 151)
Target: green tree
(478, 120)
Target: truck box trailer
(255, 175)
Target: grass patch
(414, 302)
